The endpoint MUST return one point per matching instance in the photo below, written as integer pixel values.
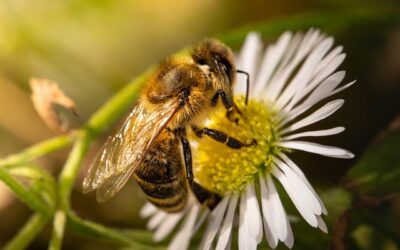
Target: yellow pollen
(224, 170)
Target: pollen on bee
(222, 169)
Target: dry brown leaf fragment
(46, 95)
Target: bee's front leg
(228, 103)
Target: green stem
(71, 168)
(66, 183)
(37, 150)
(58, 230)
(33, 201)
(97, 231)
(27, 233)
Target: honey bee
(151, 144)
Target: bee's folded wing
(123, 151)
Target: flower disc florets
(224, 170)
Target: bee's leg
(203, 195)
(210, 199)
(187, 157)
(222, 137)
(228, 103)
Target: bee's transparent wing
(124, 150)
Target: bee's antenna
(247, 83)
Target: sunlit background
(93, 48)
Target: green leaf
(378, 170)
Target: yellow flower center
(224, 170)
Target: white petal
(252, 245)
(322, 225)
(330, 62)
(228, 245)
(300, 173)
(244, 235)
(248, 60)
(269, 212)
(323, 91)
(272, 58)
(315, 133)
(214, 223)
(289, 241)
(295, 197)
(226, 228)
(304, 194)
(318, 149)
(147, 210)
(321, 75)
(201, 220)
(322, 113)
(304, 75)
(271, 236)
(167, 226)
(253, 214)
(182, 238)
(156, 220)
(342, 88)
(325, 88)
(282, 73)
(297, 51)
(276, 216)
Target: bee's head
(218, 57)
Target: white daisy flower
(288, 79)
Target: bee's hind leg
(204, 196)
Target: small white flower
(287, 80)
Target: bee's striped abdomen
(162, 175)
(169, 196)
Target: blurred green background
(93, 48)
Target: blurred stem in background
(58, 207)
(28, 232)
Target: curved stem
(97, 231)
(43, 148)
(66, 183)
(57, 235)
